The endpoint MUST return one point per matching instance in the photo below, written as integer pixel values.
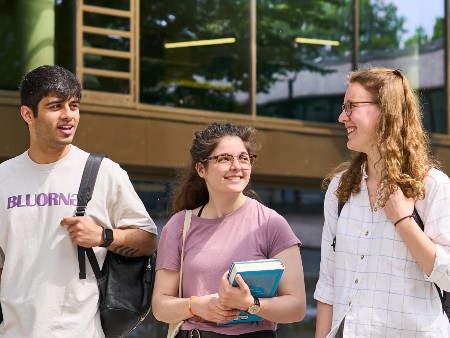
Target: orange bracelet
(189, 305)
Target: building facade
(153, 72)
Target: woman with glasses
(228, 224)
(379, 270)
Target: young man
(41, 294)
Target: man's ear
(27, 114)
(200, 169)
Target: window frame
(132, 98)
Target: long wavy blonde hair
(401, 139)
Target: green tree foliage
(279, 22)
(439, 29)
(381, 27)
(10, 67)
(421, 37)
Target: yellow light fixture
(317, 41)
(199, 43)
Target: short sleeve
(325, 286)
(435, 213)
(124, 207)
(169, 247)
(280, 235)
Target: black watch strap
(108, 237)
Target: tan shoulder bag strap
(187, 224)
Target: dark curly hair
(48, 80)
(190, 189)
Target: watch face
(254, 309)
(108, 238)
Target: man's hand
(83, 231)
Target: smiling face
(222, 178)
(53, 129)
(361, 125)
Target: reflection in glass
(106, 55)
(303, 55)
(10, 67)
(106, 63)
(211, 75)
(114, 4)
(409, 35)
(11, 55)
(112, 42)
(106, 84)
(65, 12)
(106, 21)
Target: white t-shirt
(41, 294)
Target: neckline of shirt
(50, 166)
(220, 219)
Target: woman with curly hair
(378, 268)
(227, 225)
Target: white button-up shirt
(372, 280)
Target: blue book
(262, 277)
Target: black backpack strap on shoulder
(339, 209)
(84, 196)
(340, 206)
(418, 219)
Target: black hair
(48, 80)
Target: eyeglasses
(349, 105)
(245, 160)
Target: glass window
(65, 34)
(113, 4)
(154, 195)
(11, 66)
(106, 54)
(409, 35)
(194, 54)
(303, 55)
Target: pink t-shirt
(251, 232)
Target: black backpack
(125, 283)
(443, 295)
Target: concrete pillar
(37, 30)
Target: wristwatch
(108, 238)
(255, 307)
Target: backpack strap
(339, 208)
(85, 191)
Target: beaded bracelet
(189, 305)
(401, 219)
